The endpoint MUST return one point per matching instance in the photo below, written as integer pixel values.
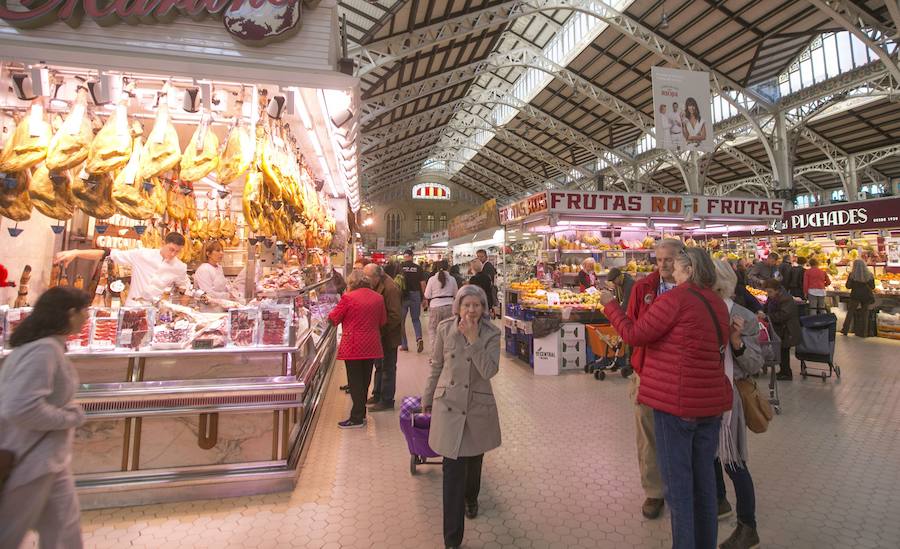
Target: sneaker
(652, 507)
(784, 376)
(351, 424)
(743, 537)
(725, 509)
(372, 401)
(381, 406)
(420, 345)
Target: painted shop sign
(255, 22)
(647, 205)
(476, 220)
(516, 211)
(867, 214)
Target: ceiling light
(664, 21)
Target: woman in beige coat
(464, 420)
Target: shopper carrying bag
(743, 358)
(37, 423)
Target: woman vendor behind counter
(209, 276)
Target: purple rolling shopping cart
(415, 427)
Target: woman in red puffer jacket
(683, 380)
(361, 312)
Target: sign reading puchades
(867, 214)
(615, 204)
(473, 221)
(254, 22)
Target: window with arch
(431, 191)
(393, 221)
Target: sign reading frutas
(663, 205)
(255, 22)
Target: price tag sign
(552, 298)
(592, 290)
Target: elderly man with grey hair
(386, 368)
(643, 294)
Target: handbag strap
(715, 321)
(32, 447)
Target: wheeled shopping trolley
(609, 349)
(817, 335)
(415, 426)
(770, 345)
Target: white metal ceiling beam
(390, 50)
(872, 32)
(543, 120)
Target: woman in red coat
(683, 379)
(362, 313)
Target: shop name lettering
(40, 12)
(645, 204)
(833, 218)
(524, 208)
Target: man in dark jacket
(623, 283)
(643, 294)
(762, 271)
(785, 317)
(386, 368)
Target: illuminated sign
(431, 191)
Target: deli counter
(200, 423)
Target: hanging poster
(682, 110)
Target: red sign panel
(866, 214)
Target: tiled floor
(827, 473)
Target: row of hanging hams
(279, 197)
(60, 166)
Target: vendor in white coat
(152, 271)
(209, 276)
(464, 423)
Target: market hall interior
(565, 476)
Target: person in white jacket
(38, 417)
(439, 294)
(209, 276)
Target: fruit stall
(230, 124)
(836, 235)
(549, 234)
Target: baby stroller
(609, 349)
(415, 426)
(770, 345)
(817, 345)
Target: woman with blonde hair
(743, 358)
(861, 284)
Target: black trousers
(359, 373)
(462, 483)
(785, 360)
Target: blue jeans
(411, 304)
(686, 451)
(743, 491)
(386, 376)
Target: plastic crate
(528, 315)
(525, 348)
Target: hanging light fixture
(664, 20)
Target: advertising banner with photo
(682, 110)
